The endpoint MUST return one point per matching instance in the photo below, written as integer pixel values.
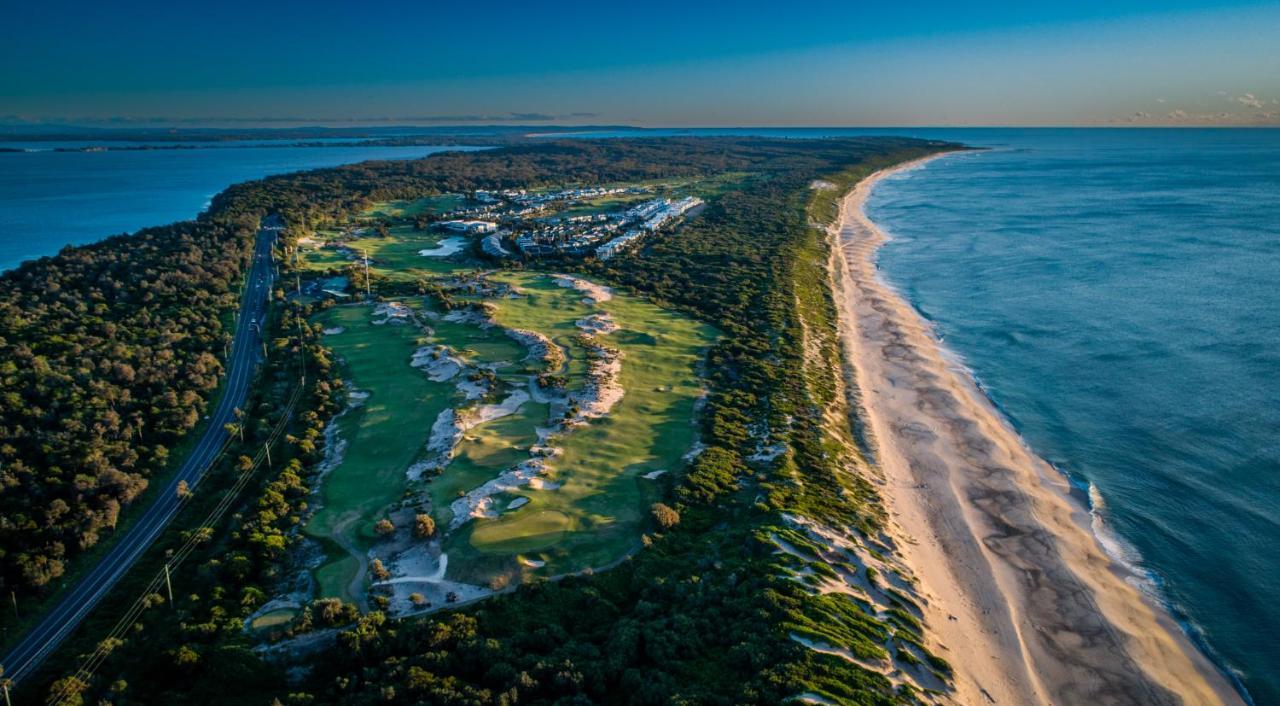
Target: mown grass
(393, 257)
(384, 435)
(595, 516)
(486, 451)
(435, 205)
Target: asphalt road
(76, 603)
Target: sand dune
(1022, 600)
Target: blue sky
(666, 63)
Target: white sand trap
(435, 577)
(445, 247)
(533, 563)
(392, 312)
(467, 316)
(601, 391)
(505, 408)
(598, 324)
(478, 502)
(472, 390)
(445, 434)
(543, 484)
(540, 347)
(438, 362)
(334, 331)
(808, 697)
(768, 453)
(694, 452)
(595, 293)
(518, 502)
(653, 474)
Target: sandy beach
(1022, 599)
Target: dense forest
(701, 615)
(108, 354)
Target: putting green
(532, 532)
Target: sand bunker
(541, 348)
(391, 313)
(602, 390)
(468, 316)
(597, 324)
(440, 363)
(490, 412)
(478, 503)
(595, 293)
(446, 432)
(445, 247)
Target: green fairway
(434, 205)
(384, 435)
(395, 256)
(486, 451)
(594, 517)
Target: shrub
(665, 515)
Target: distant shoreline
(1023, 599)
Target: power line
(91, 663)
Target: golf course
(531, 415)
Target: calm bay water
(51, 199)
(1117, 293)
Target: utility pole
(7, 702)
(302, 349)
(13, 596)
(267, 447)
(367, 295)
(168, 584)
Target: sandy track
(1022, 600)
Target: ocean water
(1117, 294)
(52, 199)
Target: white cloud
(1178, 116)
(1250, 100)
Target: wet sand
(1022, 600)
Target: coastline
(1022, 598)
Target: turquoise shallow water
(1117, 294)
(51, 199)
